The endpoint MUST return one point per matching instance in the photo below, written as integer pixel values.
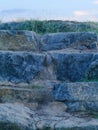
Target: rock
(19, 40)
(57, 41)
(82, 106)
(27, 66)
(32, 95)
(77, 96)
(20, 66)
(92, 73)
(69, 125)
(76, 91)
(16, 114)
(72, 66)
(19, 117)
(54, 108)
(37, 94)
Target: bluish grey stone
(79, 91)
(77, 40)
(19, 40)
(20, 66)
(72, 66)
(78, 106)
(92, 73)
(77, 96)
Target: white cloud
(85, 15)
(80, 13)
(95, 2)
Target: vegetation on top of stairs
(51, 26)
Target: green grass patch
(34, 86)
(90, 80)
(8, 126)
(51, 26)
(93, 115)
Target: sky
(78, 10)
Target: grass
(93, 114)
(51, 26)
(34, 86)
(90, 80)
(8, 126)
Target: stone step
(18, 67)
(76, 40)
(79, 96)
(75, 66)
(32, 95)
(19, 117)
(19, 40)
(29, 94)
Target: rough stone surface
(79, 91)
(27, 66)
(18, 40)
(44, 118)
(77, 96)
(92, 73)
(78, 106)
(72, 66)
(17, 114)
(20, 66)
(32, 95)
(76, 40)
(63, 66)
(26, 93)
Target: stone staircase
(48, 81)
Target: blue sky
(80, 10)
